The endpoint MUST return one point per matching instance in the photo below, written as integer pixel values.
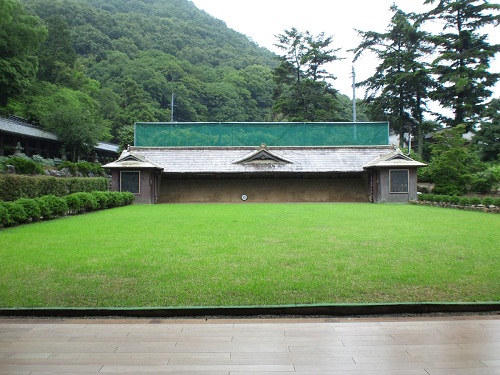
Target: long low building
(19, 136)
(263, 173)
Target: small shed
(394, 177)
(136, 174)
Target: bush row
(29, 210)
(83, 168)
(13, 187)
(460, 201)
(35, 165)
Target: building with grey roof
(238, 172)
(19, 135)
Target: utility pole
(353, 95)
(172, 108)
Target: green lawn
(252, 254)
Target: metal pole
(353, 95)
(172, 109)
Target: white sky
(261, 20)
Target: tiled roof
(394, 159)
(132, 161)
(16, 127)
(207, 160)
(104, 146)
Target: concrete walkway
(417, 346)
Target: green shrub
(4, 215)
(454, 199)
(31, 208)
(496, 202)
(74, 203)
(90, 169)
(87, 202)
(464, 201)
(16, 212)
(42, 161)
(25, 165)
(430, 197)
(445, 198)
(475, 201)
(70, 166)
(438, 198)
(85, 168)
(488, 201)
(57, 205)
(128, 198)
(450, 189)
(482, 182)
(115, 199)
(102, 198)
(422, 197)
(45, 211)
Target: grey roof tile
(15, 127)
(394, 159)
(225, 159)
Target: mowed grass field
(252, 254)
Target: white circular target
(244, 197)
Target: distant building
(19, 136)
(265, 162)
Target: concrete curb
(245, 311)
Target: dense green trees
(455, 168)
(72, 116)
(112, 63)
(21, 35)
(56, 55)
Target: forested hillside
(100, 66)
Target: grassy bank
(252, 254)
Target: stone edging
(480, 208)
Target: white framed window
(130, 181)
(398, 180)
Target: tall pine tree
(303, 91)
(464, 58)
(399, 88)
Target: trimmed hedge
(462, 201)
(13, 187)
(26, 210)
(16, 214)
(31, 207)
(57, 205)
(490, 204)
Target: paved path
(404, 346)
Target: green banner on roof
(227, 134)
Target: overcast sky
(261, 20)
